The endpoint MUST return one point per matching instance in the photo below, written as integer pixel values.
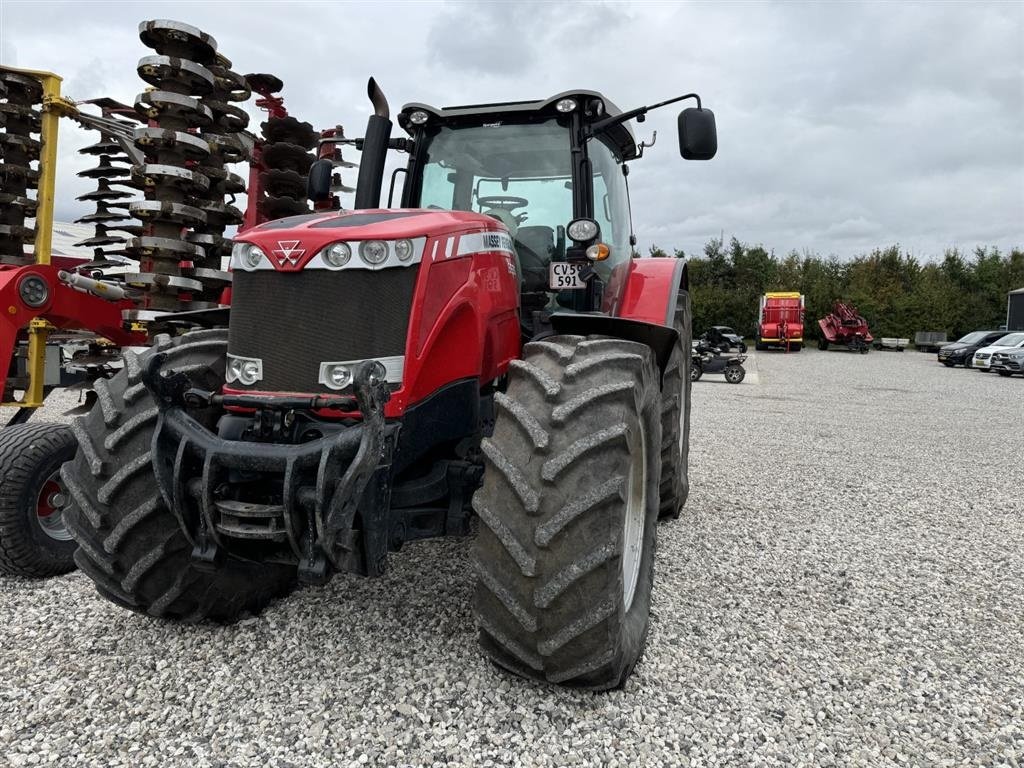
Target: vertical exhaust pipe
(375, 150)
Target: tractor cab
(553, 172)
(535, 167)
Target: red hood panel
(306, 235)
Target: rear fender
(643, 310)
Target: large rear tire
(34, 541)
(675, 416)
(130, 543)
(569, 509)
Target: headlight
(566, 105)
(34, 291)
(373, 252)
(335, 375)
(419, 117)
(245, 370)
(403, 250)
(247, 255)
(337, 255)
(582, 230)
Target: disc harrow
(227, 144)
(111, 215)
(284, 158)
(20, 97)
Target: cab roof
(594, 105)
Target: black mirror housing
(698, 136)
(318, 184)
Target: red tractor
(845, 326)
(382, 374)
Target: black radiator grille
(293, 321)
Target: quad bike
(382, 375)
(709, 359)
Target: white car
(983, 357)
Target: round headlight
(373, 252)
(419, 117)
(337, 255)
(34, 291)
(582, 230)
(249, 372)
(566, 105)
(335, 375)
(253, 256)
(403, 250)
(378, 373)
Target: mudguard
(640, 305)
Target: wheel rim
(50, 508)
(633, 526)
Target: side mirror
(698, 137)
(318, 184)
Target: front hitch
(315, 488)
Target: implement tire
(130, 543)
(675, 416)
(569, 510)
(34, 541)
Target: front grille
(293, 321)
(982, 355)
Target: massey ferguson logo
(288, 252)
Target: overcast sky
(842, 126)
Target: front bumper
(1013, 366)
(983, 363)
(309, 492)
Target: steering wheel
(507, 202)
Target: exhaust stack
(375, 149)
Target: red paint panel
(650, 288)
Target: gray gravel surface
(844, 588)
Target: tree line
(895, 292)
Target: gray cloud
(842, 126)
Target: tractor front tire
(130, 543)
(569, 511)
(676, 385)
(34, 541)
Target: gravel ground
(844, 588)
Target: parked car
(1008, 362)
(983, 357)
(725, 338)
(961, 351)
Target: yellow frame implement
(53, 107)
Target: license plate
(563, 276)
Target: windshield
(1010, 340)
(519, 174)
(972, 338)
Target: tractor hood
(289, 244)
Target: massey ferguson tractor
(488, 349)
